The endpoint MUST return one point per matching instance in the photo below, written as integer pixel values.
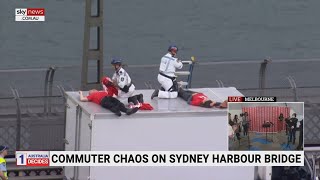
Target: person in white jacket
(122, 80)
(166, 77)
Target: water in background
(140, 31)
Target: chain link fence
(29, 122)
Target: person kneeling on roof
(123, 82)
(199, 99)
(166, 77)
(106, 100)
(134, 101)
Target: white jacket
(169, 65)
(122, 78)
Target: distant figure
(106, 100)
(236, 122)
(300, 145)
(3, 165)
(122, 80)
(287, 120)
(230, 132)
(281, 118)
(293, 128)
(199, 99)
(235, 119)
(166, 77)
(230, 120)
(245, 123)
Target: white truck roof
(161, 106)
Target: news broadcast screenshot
(159, 90)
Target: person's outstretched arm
(83, 98)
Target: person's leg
(300, 145)
(244, 130)
(122, 94)
(290, 135)
(247, 129)
(175, 86)
(115, 110)
(238, 136)
(169, 88)
(123, 108)
(185, 94)
(156, 91)
(109, 103)
(140, 98)
(293, 136)
(133, 99)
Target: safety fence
(32, 112)
(31, 123)
(33, 173)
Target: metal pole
(46, 81)
(218, 83)
(90, 54)
(262, 76)
(294, 88)
(18, 104)
(314, 167)
(306, 160)
(50, 87)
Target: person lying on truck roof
(106, 100)
(199, 99)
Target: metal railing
(312, 156)
(27, 107)
(38, 122)
(33, 173)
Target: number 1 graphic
(21, 157)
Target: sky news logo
(32, 158)
(30, 14)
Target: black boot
(155, 93)
(122, 108)
(132, 111)
(133, 99)
(140, 98)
